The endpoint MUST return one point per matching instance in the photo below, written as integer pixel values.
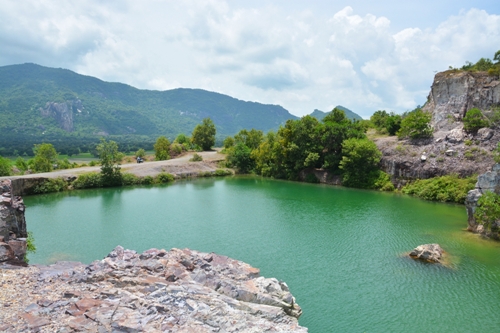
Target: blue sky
(303, 55)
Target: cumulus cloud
(300, 58)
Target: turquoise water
(341, 251)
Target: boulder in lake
(428, 252)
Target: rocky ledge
(155, 291)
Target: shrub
(416, 125)
(222, 173)
(164, 177)
(449, 188)
(88, 180)
(50, 185)
(474, 120)
(30, 246)
(5, 167)
(383, 182)
(176, 148)
(130, 179)
(196, 158)
(311, 178)
(488, 212)
(148, 180)
(360, 158)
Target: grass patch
(449, 188)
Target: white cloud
(301, 58)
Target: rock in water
(428, 252)
(156, 291)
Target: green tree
(204, 134)
(474, 120)
(45, 157)
(416, 125)
(228, 142)
(21, 164)
(360, 159)
(5, 167)
(162, 149)
(181, 139)
(110, 159)
(140, 153)
(240, 158)
(497, 56)
(252, 139)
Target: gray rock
(484, 134)
(456, 135)
(12, 223)
(428, 252)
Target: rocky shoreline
(155, 291)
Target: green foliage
(488, 212)
(449, 188)
(383, 182)
(474, 120)
(252, 139)
(228, 142)
(360, 159)
(140, 153)
(204, 134)
(30, 246)
(222, 173)
(196, 158)
(176, 148)
(148, 180)
(311, 178)
(50, 185)
(45, 157)
(21, 164)
(485, 64)
(415, 125)
(5, 167)
(129, 179)
(384, 122)
(162, 149)
(164, 177)
(88, 180)
(182, 139)
(240, 158)
(110, 159)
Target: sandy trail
(177, 166)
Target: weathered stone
(456, 135)
(428, 252)
(12, 224)
(485, 134)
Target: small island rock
(428, 252)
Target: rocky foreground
(155, 291)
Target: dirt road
(178, 166)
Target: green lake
(341, 251)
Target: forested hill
(318, 114)
(56, 105)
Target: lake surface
(340, 250)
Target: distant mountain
(47, 104)
(349, 114)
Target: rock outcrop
(428, 252)
(451, 150)
(155, 291)
(62, 112)
(453, 93)
(12, 225)
(486, 182)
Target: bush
(196, 158)
(50, 185)
(488, 212)
(130, 179)
(88, 180)
(474, 120)
(164, 177)
(383, 182)
(222, 173)
(449, 188)
(30, 246)
(5, 167)
(148, 180)
(311, 178)
(415, 125)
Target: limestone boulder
(428, 252)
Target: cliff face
(62, 113)
(12, 225)
(451, 150)
(155, 291)
(454, 93)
